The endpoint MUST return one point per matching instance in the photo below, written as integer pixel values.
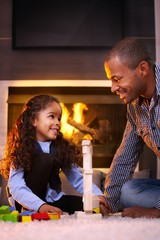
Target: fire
(78, 116)
(78, 109)
(66, 128)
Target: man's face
(126, 83)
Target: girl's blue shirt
(23, 195)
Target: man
(136, 79)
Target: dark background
(72, 63)
(67, 23)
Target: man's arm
(123, 164)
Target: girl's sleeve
(75, 177)
(21, 193)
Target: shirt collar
(45, 146)
(141, 99)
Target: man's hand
(50, 209)
(137, 212)
(105, 209)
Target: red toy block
(40, 216)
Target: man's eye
(117, 80)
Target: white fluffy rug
(109, 228)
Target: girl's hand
(50, 209)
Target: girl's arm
(21, 193)
(75, 177)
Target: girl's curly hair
(21, 141)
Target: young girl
(35, 154)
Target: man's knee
(140, 192)
(128, 193)
(128, 187)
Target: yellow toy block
(14, 213)
(54, 216)
(26, 218)
(96, 210)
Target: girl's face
(47, 122)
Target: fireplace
(102, 116)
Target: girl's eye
(51, 116)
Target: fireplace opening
(88, 113)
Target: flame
(78, 109)
(66, 128)
(78, 116)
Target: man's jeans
(140, 192)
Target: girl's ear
(34, 122)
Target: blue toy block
(26, 213)
(12, 209)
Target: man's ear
(143, 68)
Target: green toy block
(10, 218)
(4, 210)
